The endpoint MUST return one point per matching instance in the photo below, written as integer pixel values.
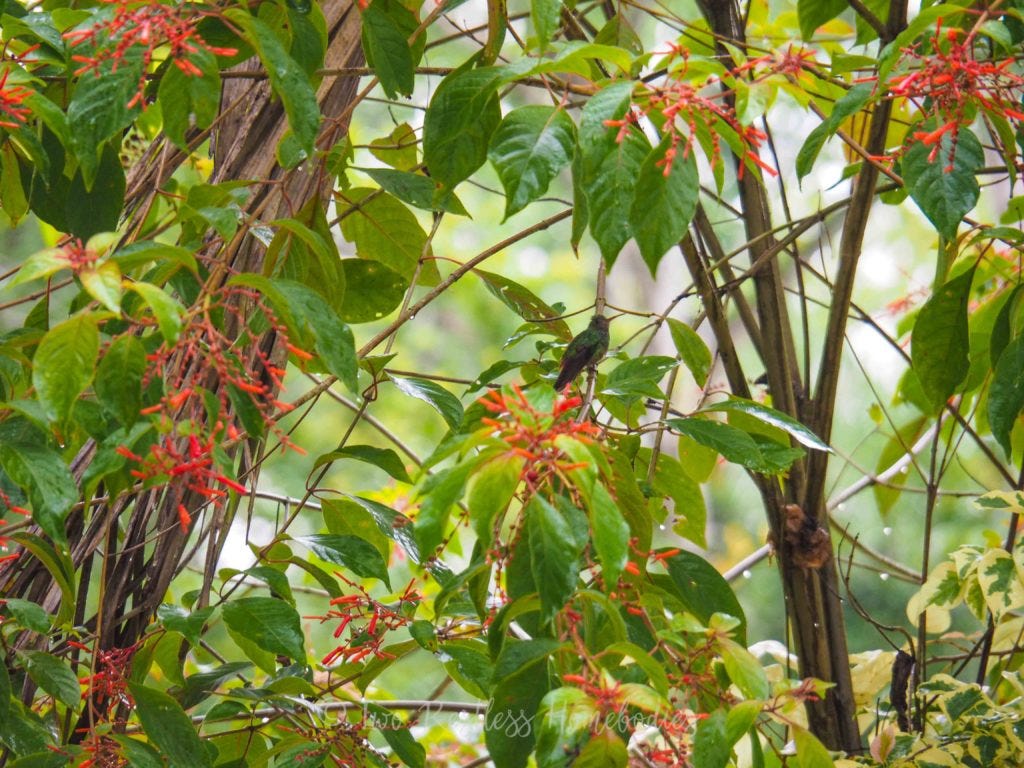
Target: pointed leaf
(664, 204)
(166, 309)
(64, 364)
(692, 349)
(352, 552)
(941, 178)
(54, 676)
(775, 418)
(531, 145)
(271, 624)
(387, 51)
(555, 548)
(169, 728)
(940, 340)
(439, 398)
(1006, 393)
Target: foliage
(225, 253)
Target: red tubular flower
(12, 97)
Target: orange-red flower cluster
(686, 109)
(195, 463)
(146, 26)
(532, 433)
(368, 623)
(12, 98)
(948, 83)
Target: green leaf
(711, 748)
(810, 753)
(702, 590)
(944, 187)
(103, 283)
(64, 364)
(199, 686)
(604, 750)
(688, 502)
(333, 340)
(168, 727)
(1006, 393)
(287, 78)
(1002, 327)
(611, 190)
(744, 670)
(850, 103)
(664, 205)
(813, 13)
(492, 491)
(54, 676)
(531, 145)
(187, 100)
(416, 190)
(57, 563)
(271, 624)
(1000, 582)
(387, 51)
(384, 230)
(439, 493)
(524, 303)
(89, 210)
(166, 309)
(734, 444)
(372, 291)
(29, 615)
(775, 418)
(608, 169)
(692, 349)
(555, 549)
(99, 110)
(398, 149)
(398, 736)
(119, 378)
(436, 396)
(611, 534)
(177, 619)
(639, 377)
(382, 458)
(460, 119)
(546, 15)
(940, 341)
(508, 726)
(352, 552)
(518, 655)
(139, 753)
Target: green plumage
(585, 349)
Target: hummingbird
(585, 349)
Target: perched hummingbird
(585, 349)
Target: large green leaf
(166, 309)
(688, 502)
(387, 50)
(439, 493)
(611, 191)
(711, 749)
(271, 624)
(611, 534)
(187, 100)
(775, 418)
(352, 552)
(555, 547)
(119, 378)
(372, 290)
(1006, 393)
(703, 591)
(96, 207)
(528, 149)
(439, 398)
(169, 728)
(524, 303)
(639, 377)
(850, 103)
(385, 230)
(99, 109)
(491, 493)
(383, 458)
(664, 203)
(64, 364)
(813, 13)
(333, 340)
(546, 15)
(460, 119)
(940, 341)
(54, 676)
(941, 177)
(508, 727)
(287, 78)
(692, 349)
(417, 190)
